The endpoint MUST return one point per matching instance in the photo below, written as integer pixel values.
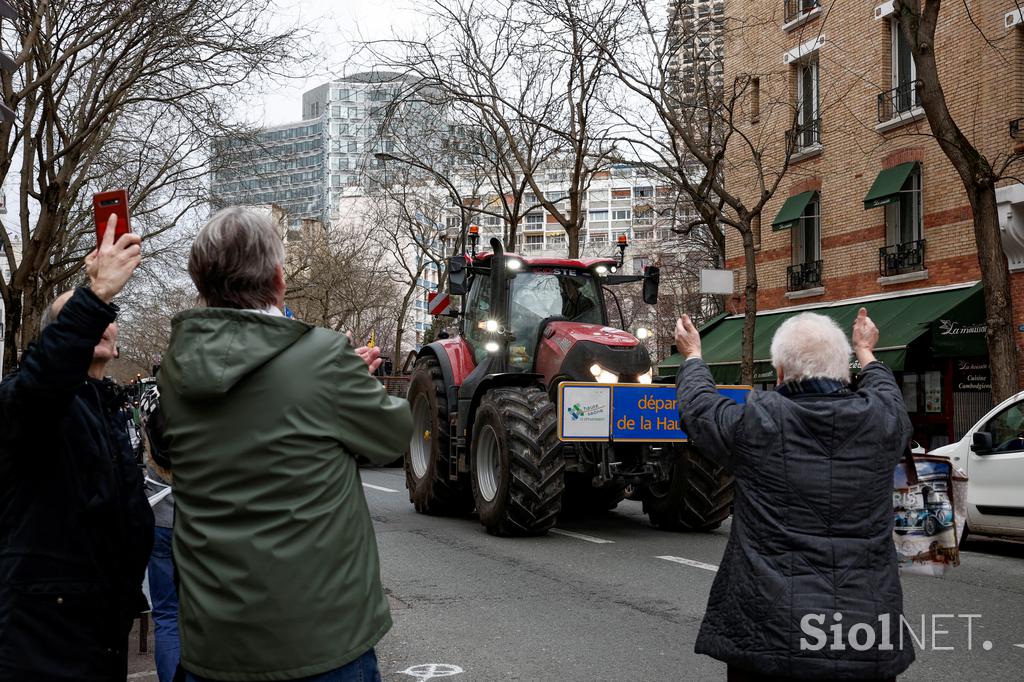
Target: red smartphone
(106, 203)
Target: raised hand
(371, 356)
(865, 337)
(687, 338)
(111, 263)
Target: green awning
(789, 214)
(901, 320)
(887, 186)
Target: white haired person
(811, 543)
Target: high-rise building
(697, 35)
(305, 166)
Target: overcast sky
(338, 25)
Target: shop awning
(789, 214)
(901, 321)
(887, 186)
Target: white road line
(581, 536)
(380, 488)
(135, 676)
(690, 562)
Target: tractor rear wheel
(697, 497)
(516, 466)
(428, 458)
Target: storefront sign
(972, 375)
(624, 412)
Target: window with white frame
(643, 192)
(807, 131)
(904, 72)
(903, 218)
(599, 215)
(807, 234)
(598, 195)
(622, 214)
(534, 218)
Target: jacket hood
(212, 349)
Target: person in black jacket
(75, 526)
(811, 541)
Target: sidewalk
(141, 667)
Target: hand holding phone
(112, 263)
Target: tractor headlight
(492, 347)
(603, 376)
(643, 333)
(491, 326)
(513, 264)
(647, 377)
(601, 270)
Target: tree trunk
(572, 235)
(749, 308)
(400, 329)
(12, 324)
(995, 278)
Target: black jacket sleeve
(53, 367)
(710, 420)
(877, 382)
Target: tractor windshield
(540, 294)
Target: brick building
(870, 211)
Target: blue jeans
(167, 643)
(363, 669)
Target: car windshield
(537, 295)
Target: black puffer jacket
(811, 528)
(75, 527)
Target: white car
(992, 454)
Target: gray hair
(234, 260)
(811, 346)
(51, 311)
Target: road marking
(1019, 646)
(690, 562)
(135, 676)
(428, 671)
(380, 488)
(581, 536)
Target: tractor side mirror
(457, 276)
(982, 442)
(652, 278)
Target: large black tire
(516, 467)
(582, 498)
(426, 469)
(697, 497)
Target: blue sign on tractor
(624, 412)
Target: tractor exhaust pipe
(499, 306)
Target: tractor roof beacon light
(474, 238)
(622, 244)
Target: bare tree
(522, 73)
(980, 172)
(693, 129)
(109, 94)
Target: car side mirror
(982, 442)
(457, 285)
(652, 278)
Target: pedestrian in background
(162, 592)
(811, 541)
(75, 526)
(275, 551)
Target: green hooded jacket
(277, 559)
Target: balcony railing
(897, 259)
(805, 136)
(794, 9)
(899, 100)
(804, 275)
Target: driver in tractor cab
(574, 303)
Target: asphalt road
(611, 598)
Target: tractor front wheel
(697, 496)
(427, 463)
(516, 466)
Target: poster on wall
(933, 392)
(910, 392)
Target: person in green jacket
(265, 415)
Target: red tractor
(483, 404)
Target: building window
(795, 9)
(622, 214)
(808, 124)
(755, 100)
(621, 193)
(904, 73)
(805, 273)
(640, 264)
(903, 218)
(598, 195)
(599, 215)
(534, 218)
(643, 192)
